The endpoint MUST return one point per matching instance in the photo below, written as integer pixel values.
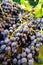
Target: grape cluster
(23, 47)
(38, 23)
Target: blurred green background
(34, 3)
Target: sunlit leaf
(38, 10)
(26, 5)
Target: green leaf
(42, 11)
(41, 1)
(38, 10)
(26, 5)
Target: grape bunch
(19, 42)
